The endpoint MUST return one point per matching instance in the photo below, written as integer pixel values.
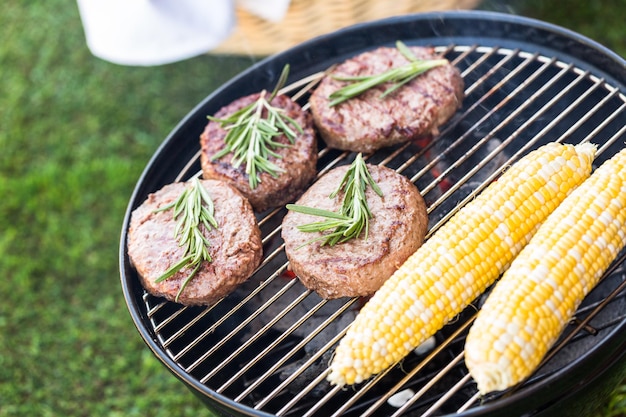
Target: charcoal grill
(264, 350)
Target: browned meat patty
(367, 122)
(357, 267)
(235, 246)
(298, 161)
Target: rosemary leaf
(251, 134)
(192, 208)
(397, 77)
(316, 212)
(174, 269)
(354, 214)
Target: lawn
(75, 134)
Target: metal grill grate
(267, 345)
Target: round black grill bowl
(528, 82)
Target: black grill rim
(437, 28)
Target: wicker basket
(306, 19)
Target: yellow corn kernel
(457, 263)
(537, 296)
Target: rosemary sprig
(252, 131)
(396, 76)
(192, 208)
(354, 214)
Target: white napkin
(154, 32)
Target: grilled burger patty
(366, 123)
(235, 246)
(357, 267)
(298, 161)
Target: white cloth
(156, 32)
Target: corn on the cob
(459, 261)
(536, 297)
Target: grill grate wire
(267, 345)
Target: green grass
(75, 134)
(602, 21)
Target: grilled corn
(537, 296)
(459, 261)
